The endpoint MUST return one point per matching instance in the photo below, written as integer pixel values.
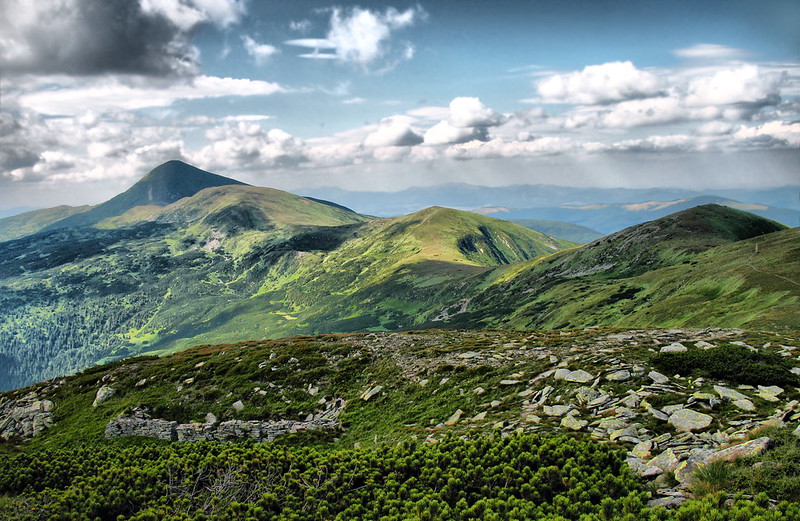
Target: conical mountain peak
(165, 184)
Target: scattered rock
(237, 405)
(369, 393)
(509, 382)
(453, 419)
(642, 449)
(729, 394)
(667, 461)
(479, 390)
(742, 450)
(103, 394)
(685, 420)
(769, 393)
(556, 410)
(676, 347)
(745, 405)
(579, 376)
(618, 376)
(658, 377)
(479, 417)
(573, 423)
(211, 418)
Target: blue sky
(388, 95)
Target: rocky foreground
(609, 384)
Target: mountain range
(186, 257)
(603, 209)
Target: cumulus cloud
(24, 136)
(746, 85)
(394, 131)
(773, 133)
(445, 133)
(260, 52)
(467, 119)
(248, 145)
(470, 112)
(88, 37)
(362, 37)
(599, 84)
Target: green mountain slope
(712, 266)
(36, 220)
(228, 263)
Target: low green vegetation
(492, 477)
(735, 363)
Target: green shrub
(735, 363)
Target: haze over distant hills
(185, 257)
(602, 209)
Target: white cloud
(783, 133)
(247, 145)
(260, 52)
(362, 37)
(470, 112)
(300, 26)
(710, 51)
(187, 13)
(497, 148)
(394, 131)
(714, 128)
(353, 101)
(746, 84)
(599, 84)
(467, 119)
(444, 133)
(106, 94)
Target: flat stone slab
(676, 347)
(686, 420)
(658, 377)
(573, 423)
(556, 410)
(729, 394)
(618, 376)
(579, 376)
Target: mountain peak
(163, 185)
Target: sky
(383, 96)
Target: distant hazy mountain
(561, 229)
(605, 210)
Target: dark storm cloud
(89, 37)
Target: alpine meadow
(399, 261)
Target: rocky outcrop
(25, 417)
(142, 425)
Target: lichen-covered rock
(104, 393)
(729, 394)
(676, 347)
(685, 420)
(556, 410)
(573, 423)
(453, 419)
(618, 376)
(369, 393)
(742, 450)
(658, 377)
